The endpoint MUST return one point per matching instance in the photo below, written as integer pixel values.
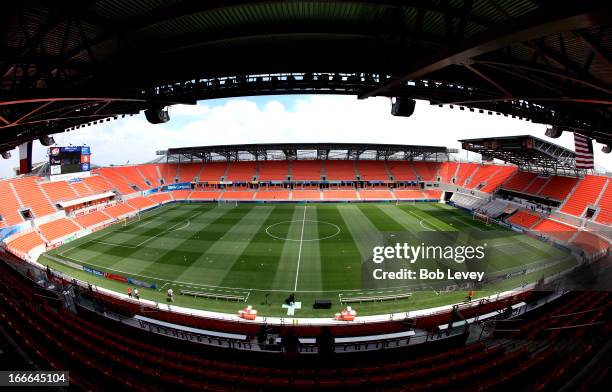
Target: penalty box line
(297, 270)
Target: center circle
(281, 230)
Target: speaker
(554, 132)
(322, 304)
(157, 115)
(47, 140)
(6, 154)
(606, 149)
(403, 107)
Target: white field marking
(423, 219)
(226, 288)
(338, 230)
(170, 230)
(297, 270)
(247, 296)
(164, 285)
(467, 222)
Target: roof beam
(542, 22)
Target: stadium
(307, 266)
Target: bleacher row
(547, 349)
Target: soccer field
(267, 251)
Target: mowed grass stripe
(310, 266)
(286, 264)
(218, 261)
(189, 246)
(132, 259)
(340, 257)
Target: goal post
(479, 216)
(130, 219)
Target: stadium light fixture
(606, 149)
(6, 154)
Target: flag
(25, 157)
(584, 151)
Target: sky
(290, 118)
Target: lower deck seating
(160, 197)
(205, 195)
(141, 203)
(181, 195)
(554, 229)
(604, 216)
(120, 210)
(409, 194)
(306, 195)
(280, 195)
(524, 218)
(238, 195)
(93, 219)
(339, 194)
(57, 229)
(379, 194)
(590, 243)
(21, 244)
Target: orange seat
(586, 194)
(58, 228)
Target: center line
(297, 271)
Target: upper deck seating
(9, 205)
(273, 170)
(58, 228)
(493, 182)
(213, 171)
(402, 171)
(427, 171)
(120, 210)
(480, 175)
(372, 170)
(604, 216)
(92, 219)
(339, 194)
(555, 229)
(132, 176)
(97, 184)
(464, 172)
(307, 170)
(149, 173)
(536, 185)
(336, 170)
(279, 195)
(299, 194)
(205, 195)
(519, 181)
(141, 203)
(189, 171)
(59, 191)
(376, 194)
(169, 172)
(23, 243)
(447, 171)
(558, 187)
(524, 218)
(81, 189)
(31, 196)
(587, 192)
(238, 195)
(241, 171)
(116, 180)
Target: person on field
(129, 291)
(170, 295)
(470, 295)
(136, 294)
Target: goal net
(482, 217)
(130, 219)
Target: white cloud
(317, 118)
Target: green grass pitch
(266, 251)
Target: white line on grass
(297, 271)
(169, 230)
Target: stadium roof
(529, 153)
(68, 63)
(281, 151)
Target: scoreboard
(73, 159)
